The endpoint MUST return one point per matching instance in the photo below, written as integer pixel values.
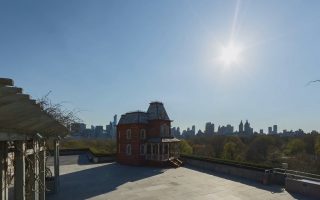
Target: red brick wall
(152, 130)
(154, 127)
(135, 141)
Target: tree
(295, 146)
(259, 149)
(58, 112)
(229, 150)
(185, 147)
(317, 147)
(233, 149)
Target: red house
(145, 138)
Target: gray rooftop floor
(82, 180)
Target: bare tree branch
(64, 116)
(310, 82)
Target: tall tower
(247, 128)
(114, 127)
(241, 127)
(275, 129)
(193, 130)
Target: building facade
(145, 137)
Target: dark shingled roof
(155, 111)
(134, 118)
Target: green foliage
(233, 149)
(317, 146)
(302, 153)
(185, 147)
(96, 146)
(259, 148)
(295, 146)
(230, 150)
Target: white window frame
(142, 149)
(128, 150)
(128, 133)
(143, 134)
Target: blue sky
(107, 57)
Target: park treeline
(101, 146)
(302, 153)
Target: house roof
(156, 111)
(134, 118)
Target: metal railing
(161, 157)
(297, 174)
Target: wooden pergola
(24, 130)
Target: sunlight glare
(230, 54)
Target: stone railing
(261, 175)
(93, 157)
(293, 181)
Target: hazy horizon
(112, 57)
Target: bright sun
(230, 54)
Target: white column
(34, 162)
(168, 150)
(42, 171)
(19, 171)
(162, 152)
(151, 151)
(56, 165)
(158, 151)
(3, 170)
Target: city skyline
(109, 57)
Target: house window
(164, 130)
(128, 150)
(128, 134)
(142, 149)
(142, 134)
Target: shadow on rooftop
(99, 180)
(270, 188)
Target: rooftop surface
(81, 180)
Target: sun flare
(230, 54)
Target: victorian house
(144, 138)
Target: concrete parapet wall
(304, 187)
(96, 158)
(256, 175)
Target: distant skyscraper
(261, 131)
(98, 131)
(209, 129)
(247, 128)
(270, 130)
(78, 127)
(193, 130)
(114, 127)
(241, 127)
(275, 129)
(225, 130)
